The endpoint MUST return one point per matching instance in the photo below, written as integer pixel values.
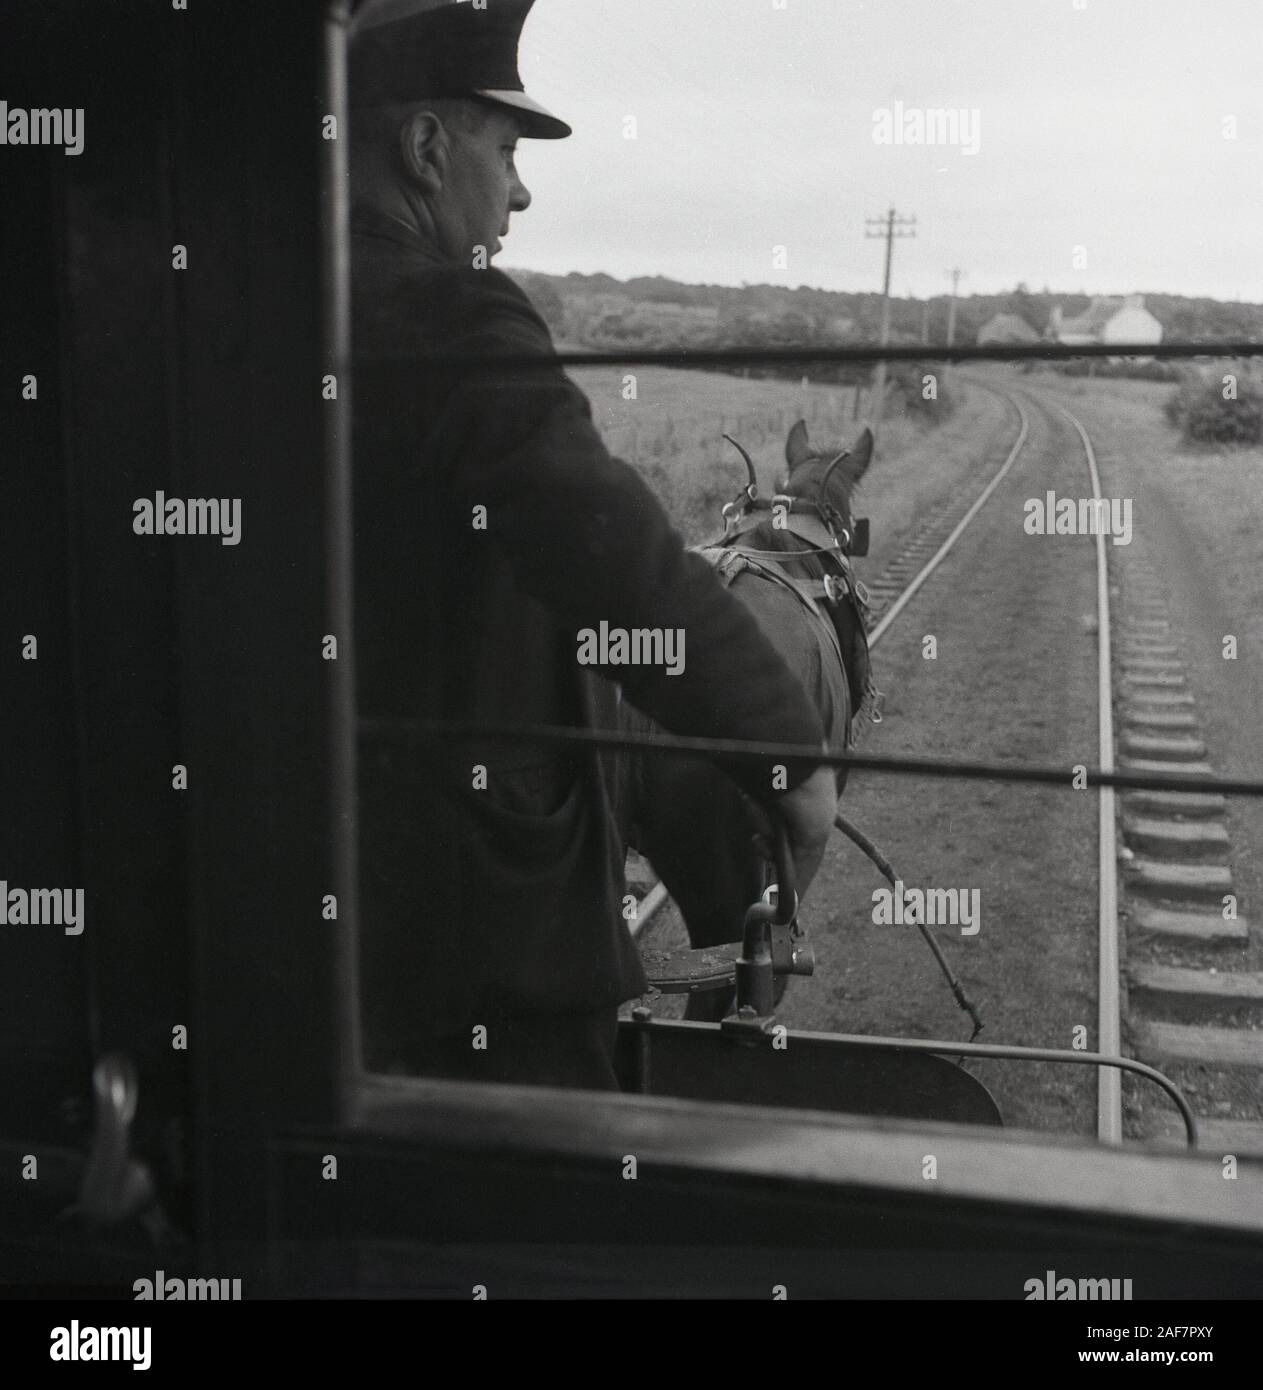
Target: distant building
(1132, 324)
(1006, 328)
(1106, 320)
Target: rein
(827, 538)
(818, 524)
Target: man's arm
(587, 538)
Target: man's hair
(376, 124)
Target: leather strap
(730, 561)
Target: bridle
(828, 538)
(816, 520)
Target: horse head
(828, 477)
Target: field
(673, 433)
(1013, 681)
(1218, 491)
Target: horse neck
(776, 538)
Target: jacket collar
(371, 222)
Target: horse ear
(861, 453)
(796, 447)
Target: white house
(1107, 320)
(1132, 324)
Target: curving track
(1015, 677)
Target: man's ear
(423, 145)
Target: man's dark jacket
(508, 897)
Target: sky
(1100, 135)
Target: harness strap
(729, 562)
(816, 529)
(805, 527)
(808, 527)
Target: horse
(787, 558)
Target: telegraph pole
(951, 308)
(890, 227)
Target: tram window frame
(369, 1092)
(265, 726)
(267, 729)
(410, 1138)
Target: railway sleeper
(1151, 720)
(1195, 1044)
(1182, 994)
(1172, 748)
(1147, 663)
(1184, 805)
(1175, 839)
(1189, 928)
(1198, 883)
(1145, 647)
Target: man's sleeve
(587, 538)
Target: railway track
(1172, 998)
(1173, 942)
(888, 594)
(1194, 1007)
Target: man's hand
(808, 813)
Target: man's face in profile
(481, 186)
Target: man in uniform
(492, 527)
